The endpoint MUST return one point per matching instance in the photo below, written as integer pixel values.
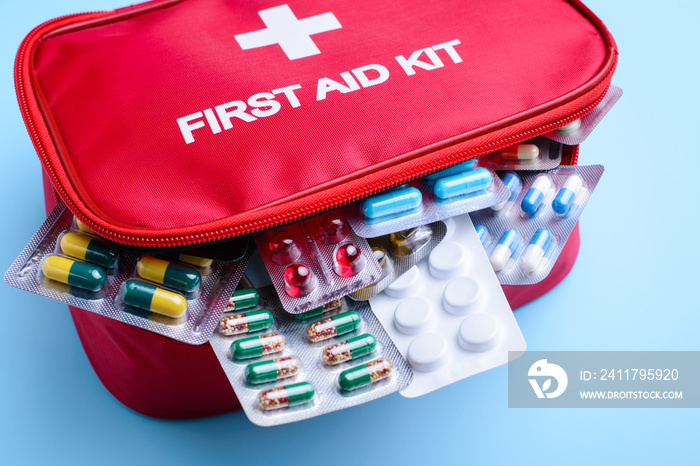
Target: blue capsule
(504, 249)
(515, 186)
(535, 250)
(392, 202)
(483, 234)
(463, 183)
(459, 168)
(535, 195)
(565, 198)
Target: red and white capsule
(519, 152)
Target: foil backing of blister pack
(319, 257)
(560, 227)
(400, 263)
(432, 209)
(328, 395)
(549, 157)
(588, 121)
(203, 312)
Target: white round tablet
(461, 295)
(406, 285)
(447, 260)
(427, 352)
(412, 315)
(479, 332)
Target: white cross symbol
(293, 35)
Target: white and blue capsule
(535, 250)
(566, 195)
(459, 168)
(467, 182)
(504, 249)
(392, 202)
(515, 186)
(532, 200)
(483, 234)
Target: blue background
(633, 288)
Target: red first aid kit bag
(191, 122)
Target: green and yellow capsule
(271, 370)
(254, 347)
(333, 326)
(289, 395)
(171, 274)
(82, 227)
(90, 249)
(366, 374)
(151, 298)
(243, 299)
(333, 306)
(74, 273)
(250, 322)
(349, 349)
(202, 262)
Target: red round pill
(283, 248)
(349, 260)
(299, 280)
(334, 227)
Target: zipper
(276, 219)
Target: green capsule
(335, 305)
(153, 299)
(254, 347)
(243, 299)
(337, 325)
(366, 374)
(351, 348)
(74, 273)
(289, 395)
(250, 322)
(271, 370)
(90, 249)
(171, 274)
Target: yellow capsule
(74, 273)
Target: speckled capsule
(248, 322)
(289, 395)
(333, 306)
(333, 326)
(351, 348)
(271, 370)
(366, 374)
(254, 347)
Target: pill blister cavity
(412, 315)
(479, 332)
(406, 285)
(349, 260)
(283, 248)
(427, 352)
(446, 260)
(334, 228)
(299, 280)
(461, 295)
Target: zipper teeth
(272, 221)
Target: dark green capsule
(366, 374)
(243, 299)
(254, 347)
(74, 273)
(289, 395)
(271, 370)
(89, 248)
(171, 274)
(333, 326)
(249, 322)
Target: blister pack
(456, 190)
(398, 252)
(534, 155)
(524, 236)
(66, 262)
(285, 369)
(316, 261)
(578, 130)
(448, 315)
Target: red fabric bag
(179, 123)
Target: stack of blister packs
(400, 291)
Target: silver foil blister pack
(299, 362)
(456, 190)
(578, 130)
(534, 155)
(316, 261)
(203, 306)
(524, 236)
(398, 252)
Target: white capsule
(535, 250)
(570, 128)
(504, 249)
(567, 194)
(520, 152)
